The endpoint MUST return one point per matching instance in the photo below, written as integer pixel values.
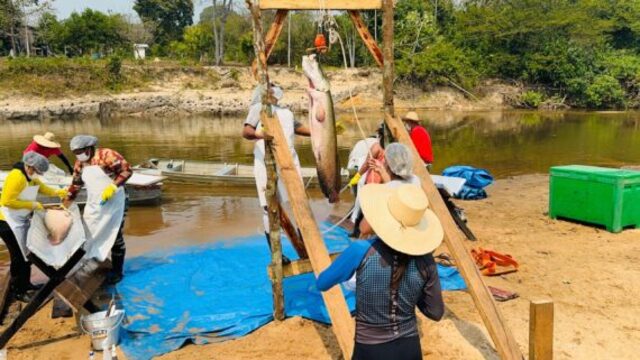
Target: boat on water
(143, 189)
(223, 174)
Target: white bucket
(104, 331)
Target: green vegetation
(584, 53)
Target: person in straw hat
(395, 271)
(419, 136)
(46, 146)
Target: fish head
(313, 72)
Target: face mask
(82, 157)
(407, 126)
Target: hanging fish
(58, 224)
(322, 124)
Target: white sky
(64, 8)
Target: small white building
(140, 51)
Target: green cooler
(596, 195)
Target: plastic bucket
(104, 331)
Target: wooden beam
(320, 5)
(80, 287)
(387, 54)
(368, 40)
(292, 234)
(454, 239)
(342, 323)
(271, 38)
(5, 279)
(296, 267)
(274, 232)
(541, 330)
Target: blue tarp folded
(477, 180)
(217, 291)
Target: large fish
(58, 224)
(322, 124)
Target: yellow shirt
(14, 184)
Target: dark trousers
(119, 248)
(400, 349)
(20, 268)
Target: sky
(65, 7)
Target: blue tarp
(217, 291)
(477, 180)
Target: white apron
(102, 221)
(260, 170)
(20, 219)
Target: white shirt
(287, 121)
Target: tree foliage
(169, 16)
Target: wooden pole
(342, 323)
(274, 231)
(369, 42)
(272, 37)
(387, 54)
(454, 239)
(541, 330)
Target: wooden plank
(368, 40)
(274, 231)
(272, 37)
(292, 234)
(320, 5)
(541, 330)
(80, 287)
(454, 239)
(296, 267)
(342, 323)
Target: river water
(505, 143)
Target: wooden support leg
(292, 234)
(55, 278)
(274, 232)
(541, 330)
(271, 38)
(368, 40)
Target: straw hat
(401, 218)
(411, 116)
(46, 140)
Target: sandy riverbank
(593, 277)
(184, 94)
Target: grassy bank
(60, 77)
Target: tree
(217, 16)
(92, 31)
(169, 16)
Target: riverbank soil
(170, 91)
(592, 276)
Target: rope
(339, 222)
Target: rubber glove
(36, 206)
(354, 180)
(62, 193)
(108, 193)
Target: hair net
(36, 161)
(399, 160)
(256, 96)
(82, 141)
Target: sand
(592, 276)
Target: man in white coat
(253, 131)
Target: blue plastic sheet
(218, 291)
(477, 180)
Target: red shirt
(44, 151)
(422, 142)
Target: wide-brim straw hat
(411, 116)
(47, 140)
(401, 218)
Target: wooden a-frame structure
(277, 150)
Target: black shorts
(407, 348)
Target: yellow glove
(108, 193)
(354, 180)
(36, 206)
(62, 193)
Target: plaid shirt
(110, 161)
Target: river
(505, 143)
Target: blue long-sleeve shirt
(343, 268)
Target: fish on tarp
(58, 223)
(322, 124)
